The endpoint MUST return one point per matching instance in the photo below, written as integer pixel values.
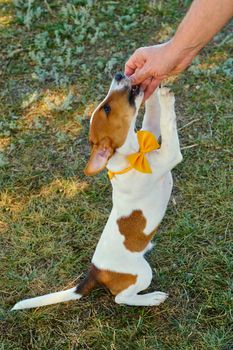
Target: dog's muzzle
(134, 90)
(119, 76)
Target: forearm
(150, 65)
(203, 20)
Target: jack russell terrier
(140, 174)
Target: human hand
(150, 65)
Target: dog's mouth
(134, 92)
(135, 89)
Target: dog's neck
(131, 143)
(118, 160)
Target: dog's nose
(119, 76)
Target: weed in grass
(76, 26)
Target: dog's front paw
(167, 105)
(166, 97)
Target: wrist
(182, 49)
(183, 52)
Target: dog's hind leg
(149, 299)
(151, 120)
(130, 295)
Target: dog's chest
(132, 223)
(139, 192)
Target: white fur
(149, 193)
(47, 299)
(133, 190)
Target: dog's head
(111, 120)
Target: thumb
(140, 75)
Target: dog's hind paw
(155, 298)
(149, 299)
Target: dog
(140, 173)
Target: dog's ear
(99, 157)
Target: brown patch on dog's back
(132, 227)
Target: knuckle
(140, 50)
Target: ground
(57, 59)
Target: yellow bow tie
(138, 161)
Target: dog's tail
(82, 289)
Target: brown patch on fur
(99, 156)
(116, 282)
(132, 228)
(115, 125)
(89, 282)
(108, 130)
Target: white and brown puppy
(139, 198)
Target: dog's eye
(107, 108)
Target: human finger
(129, 68)
(145, 84)
(135, 61)
(140, 75)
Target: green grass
(54, 70)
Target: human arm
(148, 66)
